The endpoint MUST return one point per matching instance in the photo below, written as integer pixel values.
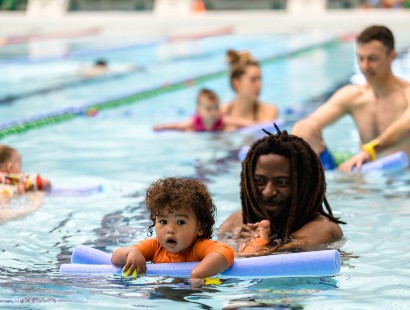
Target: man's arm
(396, 133)
(310, 128)
(313, 235)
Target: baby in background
(182, 213)
(12, 179)
(14, 182)
(207, 118)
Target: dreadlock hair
(307, 181)
(173, 193)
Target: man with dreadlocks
(283, 198)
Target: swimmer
(380, 108)
(284, 206)
(101, 68)
(12, 179)
(183, 214)
(207, 117)
(14, 182)
(246, 81)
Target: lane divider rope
(23, 125)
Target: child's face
(208, 109)
(177, 231)
(13, 165)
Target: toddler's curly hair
(174, 193)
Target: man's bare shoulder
(235, 217)
(406, 85)
(349, 96)
(352, 91)
(232, 221)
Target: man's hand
(246, 231)
(356, 161)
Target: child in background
(14, 182)
(207, 117)
(182, 213)
(12, 179)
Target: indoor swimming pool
(117, 151)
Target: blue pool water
(118, 150)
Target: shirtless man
(380, 108)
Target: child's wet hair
(6, 153)
(174, 193)
(210, 94)
(308, 183)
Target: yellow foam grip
(125, 273)
(369, 148)
(212, 281)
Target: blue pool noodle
(86, 260)
(395, 161)
(80, 191)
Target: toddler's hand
(135, 262)
(196, 282)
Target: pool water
(118, 150)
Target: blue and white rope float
(87, 260)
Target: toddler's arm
(131, 258)
(213, 264)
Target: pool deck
(243, 22)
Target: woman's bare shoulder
(269, 110)
(223, 108)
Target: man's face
(374, 60)
(273, 181)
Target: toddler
(182, 213)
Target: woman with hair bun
(246, 81)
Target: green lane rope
(21, 126)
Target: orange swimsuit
(154, 252)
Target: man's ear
(393, 54)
